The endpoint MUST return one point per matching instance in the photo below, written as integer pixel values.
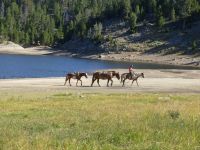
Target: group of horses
(105, 75)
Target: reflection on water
(21, 66)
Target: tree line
(48, 22)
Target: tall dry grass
(100, 121)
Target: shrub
(194, 45)
(174, 114)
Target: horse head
(85, 74)
(117, 75)
(142, 74)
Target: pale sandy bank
(181, 81)
(12, 48)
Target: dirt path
(181, 81)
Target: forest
(47, 22)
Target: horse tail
(66, 78)
(93, 77)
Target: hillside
(147, 44)
(39, 22)
(138, 29)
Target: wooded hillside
(52, 21)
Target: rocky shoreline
(173, 59)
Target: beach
(166, 81)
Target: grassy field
(99, 121)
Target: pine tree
(98, 32)
(26, 39)
(133, 22)
(82, 29)
(45, 38)
(161, 22)
(152, 6)
(63, 18)
(137, 10)
(126, 8)
(173, 14)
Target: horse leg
(69, 82)
(123, 82)
(121, 79)
(65, 81)
(77, 83)
(137, 83)
(81, 83)
(93, 81)
(132, 82)
(108, 83)
(111, 82)
(98, 82)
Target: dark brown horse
(105, 76)
(77, 75)
(128, 76)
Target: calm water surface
(21, 66)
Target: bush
(110, 38)
(194, 45)
(174, 114)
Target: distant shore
(172, 59)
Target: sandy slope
(12, 48)
(155, 81)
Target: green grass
(100, 121)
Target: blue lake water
(22, 66)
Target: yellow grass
(99, 121)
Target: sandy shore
(181, 81)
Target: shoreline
(95, 57)
(186, 67)
(164, 81)
(153, 59)
(171, 59)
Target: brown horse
(105, 76)
(77, 76)
(128, 76)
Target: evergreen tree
(97, 36)
(173, 14)
(161, 22)
(133, 22)
(152, 6)
(26, 39)
(27, 21)
(126, 8)
(137, 10)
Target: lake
(22, 66)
